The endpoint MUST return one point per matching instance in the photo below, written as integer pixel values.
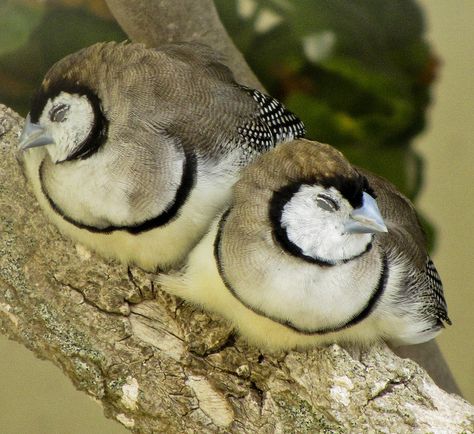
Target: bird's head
(128, 93)
(70, 111)
(70, 124)
(321, 207)
(328, 220)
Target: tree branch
(159, 365)
(158, 22)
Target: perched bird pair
(133, 151)
(142, 147)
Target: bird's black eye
(326, 202)
(58, 113)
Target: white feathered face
(69, 121)
(321, 223)
(315, 219)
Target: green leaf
(17, 22)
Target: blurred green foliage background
(358, 72)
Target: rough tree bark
(160, 365)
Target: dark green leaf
(17, 21)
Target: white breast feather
(311, 297)
(167, 245)
(200, 283)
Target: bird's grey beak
(366, 219)
(34, 135)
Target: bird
(311, 251)
(132, 151)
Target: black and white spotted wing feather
(272, 124)
(424, 286)
(434, 291)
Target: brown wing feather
(406, 235)
(404, 229)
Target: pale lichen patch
(160, 338)
(340, 391)
(378, 387)
(130, 393)
(6, 309)
(211, 402)
(450, 414)
(83, 253)
(125, 420)
(151, 323)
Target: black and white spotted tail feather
(427, 290)
(272, 124)
(435, 289)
